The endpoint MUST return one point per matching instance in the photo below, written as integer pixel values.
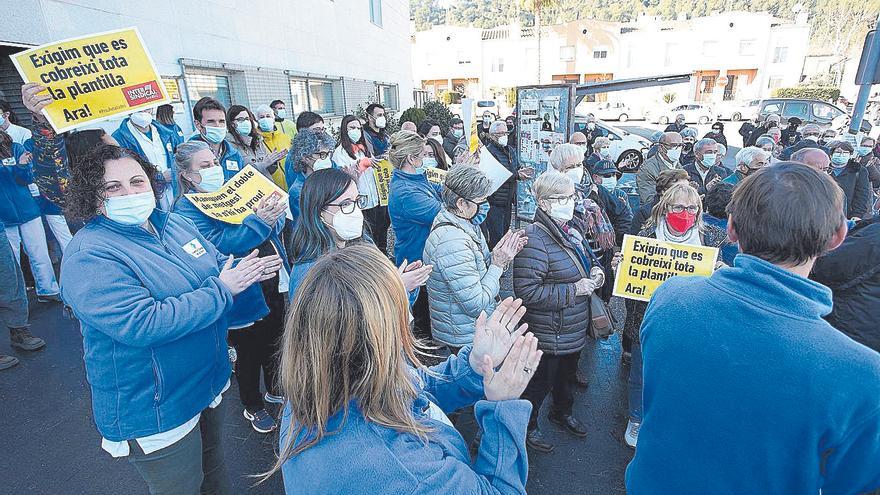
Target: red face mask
(681, 222)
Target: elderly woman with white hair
(244, 136)
(554, 275)
(466, 276)
(501, 200)
(748, 160)
(768, 144)
(274, 138)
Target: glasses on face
(240, 119)
(571, 166)
(671, 146)
(560, 198)
(347, 206)
(680, 208)
(321, 155)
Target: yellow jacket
(287, 127)
(276, 140)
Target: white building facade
(731, 56)
(326, 56)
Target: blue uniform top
(17, 202)
(413, 203)
(230, 159)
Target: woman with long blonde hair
(365, 416)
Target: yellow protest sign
(382, 173)
(647, 263)
(435, 175)
(93, 78)
(237, 198)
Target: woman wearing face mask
(257, 316)
(852, 177)
(601, 151)
(353, 156)
(309, 152)
(554, 275)
(466, 277)
(245, 137)
(430, 129)
(413, 203)
(677, 217)
(152, 296)
(275, 138)
(717, 133)
(434, 155)
(456, 132)
(866, 158)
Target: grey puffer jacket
(463, 282)
(544, 276)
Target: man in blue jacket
(764, 396)
(209, 116)
(140, 133)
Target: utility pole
(867, 75)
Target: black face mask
(687, 147)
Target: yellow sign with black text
(237, 198)
(93, 78)
(435, 175)
(382, 173)
(647, 263)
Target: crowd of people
(368, 368)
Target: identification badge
(35, 191)
(194, 248)
(9, 161)
(168, 147)
(232, 165)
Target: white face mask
(674, 154)
(605, 153)
(132, 209)
(141, 119)
(322, 164)
(354, 135)
(437, 139)
(212, 178)
(576, 174)
(563, 211)
(350, 226)
(380, 122)
(609, 183)
(502, 141)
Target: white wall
(332, 37)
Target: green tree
(537, 7)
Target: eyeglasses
(240, 119)
(693, 210)
(321, 154)
(347, 206)
(672, 146)
(561, 198)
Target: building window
(775, 82)
(780, 54)
(566, 53)
(498, 64)
(388, 96)
(376, 12)
(747, 48)
(315, 95)
(710, 48)
(214, 86)
(600, 54)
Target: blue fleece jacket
(413, 202)
(296, 181)
(238, 241)
(152, 312)
(176, 132)
(762, 397)
(363, 457)
(17, 204)
(230, 159)
(126, 139)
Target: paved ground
(50, 444)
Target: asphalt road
(50, 444)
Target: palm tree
(535, 7)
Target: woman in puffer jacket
(554, 275)
(466, 277)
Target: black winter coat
(803, 143)
(544, 276)
(718, 137)
(854, 182)
(852, 272)
(505, 156)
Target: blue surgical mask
(458, 133)
(354, 135)
(212, 178)
(214, 134)
(2, 119)
(132, 209)
(709, 160)
(244, 127)
(861, 150)
(482, 211)
(429, 162)
(281, 113)
(421, 168)
(838, 160)
(266, 124)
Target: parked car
(809, 111)
(738, 111)
(694, 113)
(614, 111)
(625, 146)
